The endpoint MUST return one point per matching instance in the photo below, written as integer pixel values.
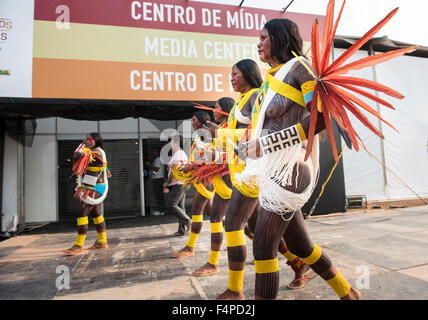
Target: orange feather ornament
(328, 97)
(201, 106)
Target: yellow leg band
(314, 256)
(197, 218)
(102, 237)
(80, 241)
(193, 237)
(236, 280)
(213, 259)
(216, 227)
(266, 266)
(235, 238)
(98, 220)
(289, 256)
(82, 221)
(339, 285)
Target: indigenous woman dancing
(243, 206)
(202, 198)
(90, 168)
(222, 186)
(286, 181)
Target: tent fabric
(405, 151)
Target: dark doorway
(152, 194)
(333, 198)
(155, 199)
(123, 198)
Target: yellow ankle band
(314, 256)
(213, 259)
(197, 218)
(193, 237)
(82, 221)
(266, 266)
(289, 256)
(216, 227)
(236, 280)
(235, 238)
(102, 237)
(80, 241)
(339, 285)
(98, 220)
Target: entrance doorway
(123, 198)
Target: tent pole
(382, 144)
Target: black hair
(285, 37)
(97, 139)
(251, 72)
(226, 103)
(202, 116)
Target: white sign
(16, 48)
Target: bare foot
(206, 270)
(231, 295)
(185, 252)
(353, 294)
(98, 246)
(74, 250)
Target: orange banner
(128, 81)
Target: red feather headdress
(328, 97)
(201, 106)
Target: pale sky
(410, 24)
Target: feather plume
(333, 101)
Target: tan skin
(253, 149)
(199, 204)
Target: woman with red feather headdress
(202, 198)
(296, 102)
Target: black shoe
(178, 234)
